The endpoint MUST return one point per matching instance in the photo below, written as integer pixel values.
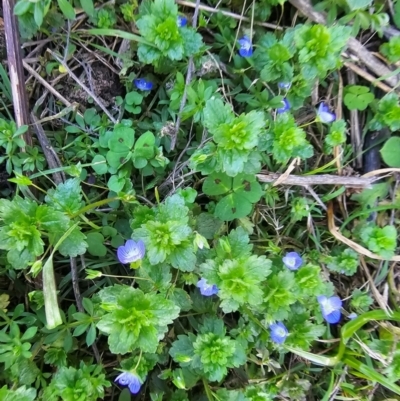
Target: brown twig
(83, 86)
(16, 71)
(49, 153)
(322, 179)
(366, 57)
(54, 163)
(228, 14)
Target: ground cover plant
(203, 203)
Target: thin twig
(50, 154)
(47, 85)
(322, 179)
(187, 83)
(83, 86)
(228, 14)
(368, 77)
(16, 71)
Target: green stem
(93, 205)
(208, 391)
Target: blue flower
(246, 48)
(143, 84)
(206, 289)
(352, 315)
(131, 252)
(131, 380)
(182, 21)
(324, 115)
(285, 107)
(278, 332)
(330, 308)
(284, 85)
(292, 260)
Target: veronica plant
(167, 37)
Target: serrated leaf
(74, 244)
(67, 197)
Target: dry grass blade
(16, 70)
(358, 248)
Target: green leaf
(119, 34)
(122, 139)
(217, 113)
(67, 197)
(67, 9)
(91, 335)
(22, 7)
(396, 16)
(357, 4)
(116, 183)
(144, 146)
(233, 206)
(134, 320)
(74, 244)
(134, 98)
(38, 13)
(217, 184)
(247, 187)
(391, 152)
(357, 97)
(53, 317)
(208, 226)
(88, 7)
(99, 164)
(95, 243)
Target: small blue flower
(131, 252)
(246, 48)
(330, 308)
(143, 84)
(284, 85)
(206, 289)
(324, 115)
(131, 380)
(285, 107)
(292, 260)
(182, 21)
(278, 332)
(352, 316)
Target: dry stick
(355, 133)
(306, 8)
(16, 71)
(322, 179)
(54, 162)
(50, 154)
(187, 83)
(83, 86)
(227, 13)
(368, 77)
(46, 84)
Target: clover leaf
(357, 97)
